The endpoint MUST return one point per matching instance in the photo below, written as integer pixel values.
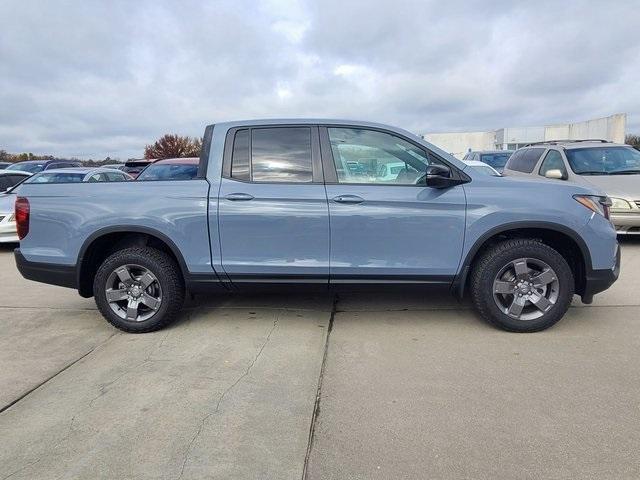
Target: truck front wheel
(521, 285)
(139, 289)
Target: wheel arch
(563, 239)
(105, 241)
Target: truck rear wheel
(139, 289)
(522, 285)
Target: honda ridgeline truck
(303, 203)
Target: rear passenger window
(281, 154)
(240, 162)
(524, 160)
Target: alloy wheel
(526, 288)
(133, 293)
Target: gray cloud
(97, 78)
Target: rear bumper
(8, 233)
(597, 281)
(51, 273)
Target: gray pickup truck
(310, 204)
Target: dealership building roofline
(612, 128)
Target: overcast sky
(95, 78)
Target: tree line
(167, 146)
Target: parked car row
(38, 172)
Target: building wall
(458, 144)
(612, 128)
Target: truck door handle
(235, 197)
(348, 199)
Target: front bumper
(626, 223)
(51, 273)
(597, 281)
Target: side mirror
(438, 176)
(554, 173)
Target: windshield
(604, 160)
(496, 160)
(485, 170)
(167, 171)
(27, 167)
(53, 177)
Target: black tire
(495, 259)
(168, 276)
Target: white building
(610, 128)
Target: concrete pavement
(424, 393)
(413, 386)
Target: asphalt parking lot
(411, 387)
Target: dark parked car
(171, 169)
(494, 158)
(36, 166)
(4, 165)
(11, 178)
(135, 167)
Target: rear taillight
(23, 211)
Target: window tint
(524, 160)
(167, 171)
(56, 178)
(5, 182)
(369, 156)
(27, 167)
(496, 160)
(240, 158)
(553, 161)
(281, 154)
(115, 177)
(98, 177)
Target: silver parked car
(496, 159)
(80, 174)
(612, 168)
(482, 167)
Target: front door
(274, 221)
(386, 226)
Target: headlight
(620, 204)
(597, 204)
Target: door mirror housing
(555, 173)
(438, 176)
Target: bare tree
(173, 146)
(633, 140)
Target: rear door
(273, 217)
(388, 230)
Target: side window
(114, 177)
(98, 177)
(525, 160)
(5, 182)
(553, 161)
(281, 154)
(240, 157)
(372, 157)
